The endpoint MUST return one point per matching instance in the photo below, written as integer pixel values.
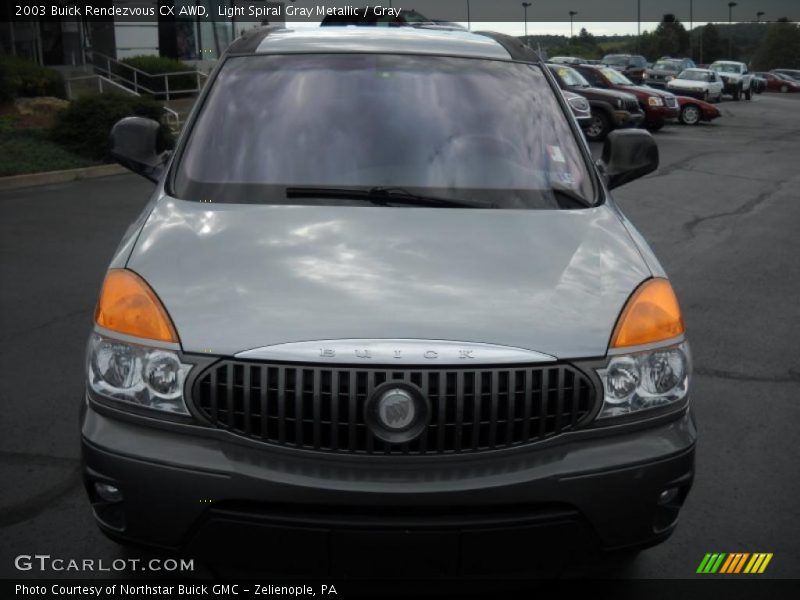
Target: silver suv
(382, 303)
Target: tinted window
(665, 65)
(696, 75)
(593, 77)
(488, 132)
(617, 60)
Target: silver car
(382, 312)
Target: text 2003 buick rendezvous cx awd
(381, 301)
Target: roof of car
(429, 39)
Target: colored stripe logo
(734, 563)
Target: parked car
(792, 73)
(778, 82)
(698, 83)
(631, 65)
(610, 109)
(694, 110)
(735, 77)
(759, 83)
(580, 108)
(659, 106)
(665, 70)
(567, 60)
(296, 361)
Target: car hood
(603, 94)
(655, 91)
(236, 277)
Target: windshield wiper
(382, 196)
(567, 198)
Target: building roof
(433, 40)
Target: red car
(777, 82)
(693, 110)
(658, 105)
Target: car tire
(600, 126)
(784, 88)
(690, 114)
(748, 95)
(737, 94)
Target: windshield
(616, 77)
(725, 68)
(665, 65)
(695, 75)
(477, 132)
(571, 77)
(617, 60)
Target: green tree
(671, 38)
(780, 48)
(710, 44)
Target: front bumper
(207, 492)
(692, 93)
(659, 114)
(624, 119)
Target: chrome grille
(321, 407)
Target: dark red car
(693, 110)
(658, 105)
(777, 82)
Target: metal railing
(101, 82)
(171, 117)
(143, 82)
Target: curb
(33, 179)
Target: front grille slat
(246, 401)
(321, 408)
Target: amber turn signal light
(128, 305)
(651, 315)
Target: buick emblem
(396, 409)
(396, 412)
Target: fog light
(108, 492)
(668, 496)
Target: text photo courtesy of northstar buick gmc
(293, 354)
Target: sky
(562, 28)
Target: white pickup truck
(738, 81)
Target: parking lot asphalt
(722, 214)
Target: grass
(30, 151)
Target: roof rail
(513, 46)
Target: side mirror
(133, 143)
(627, 155)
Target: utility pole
(730, 29)
(572, 14)
(759, 14)
(469, 21)
(525, 6)
(691, 26)
(638, 26)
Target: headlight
(668, 78)
(619, 102)
(642, 380)
(645, 75)
(579, 103)
(655, 101)
(141, 375)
